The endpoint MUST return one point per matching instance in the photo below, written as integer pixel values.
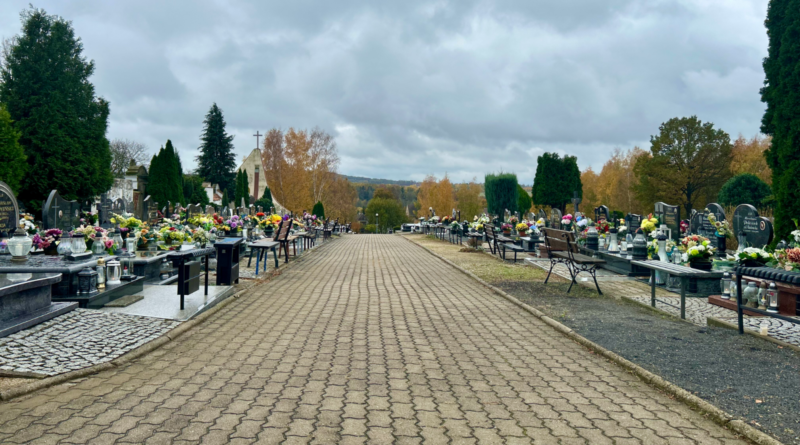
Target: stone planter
(701, 265)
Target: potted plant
(506, 229)
(522, 229)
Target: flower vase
(89, 244)
(52, 249)
(701, 264)
(752, 263)
(506, 232)
(168, 241)
(721, 245)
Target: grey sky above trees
(417, 87)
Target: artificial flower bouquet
(130, 223)
(506, 228)
(649, 224)
(753, 257)
(90, 233)
(693, 240)
(513, 219)
(522, 228)
(43, 240)
(722, 227)
(566, 220)
(699, 252)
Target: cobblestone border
(21, 390)
(716, 414)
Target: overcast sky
(408, 88)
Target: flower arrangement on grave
(506, 228)
(109, 244)
(566, 220)
(170, 235)
(26, 221)
(699, 253)
(582, 222)
(454, 225)
(693, 240)
(130, 223)
(446, 219)
(513, 219)
(477, 226)
(90, 233)
(47, 240)
(201, 236)
(145, 236)
(602, 227)
(722, 227)
(753, 257)
(622, 231)
(522, 228)
(684, 226)
(88, 218)
(202, 221)
(232, 224)
(649, 224)
(434, 219)
(795, 235)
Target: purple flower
(233, 224)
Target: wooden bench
(562, 248)
(499, 244)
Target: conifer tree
(13, 165)
(216, 162)
(44, 82)
(781, 93)
(318, 210)
(173, 174)
(265, 201)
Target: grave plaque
(670, 216)
(633, 222)
(9, 211)
(757, 229)
(699, 224)
(601, 213)
(58, 213)
(555, 218)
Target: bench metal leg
(258, 259)
(251, 257)
(653, 287)
(594, 275)
(552, 265)
(274, 255)
(683, 298)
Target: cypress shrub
(502, 192)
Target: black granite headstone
(9, 211)
(757, 229)
(104, 212)
(633, 222)
(601, 213)
(670, 216)
(58, 213)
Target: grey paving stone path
(368, 339)
(77, 340)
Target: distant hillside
(363, 180)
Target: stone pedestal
(25, 301)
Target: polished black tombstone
(9, 211)
(58, 213)
(25, 301)
(228, 254)
(757, 230)
(670, 216)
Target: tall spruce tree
(13, 165)
(265, 201)
(216, 162)
(318, 210)
(242, 188)
(173, 174)
(45, 85)
(781, 120)
(157, 183)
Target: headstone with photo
(9, 211)
(555, 218)
(58, 213)
(758, 231)
(670, 216)
(601, 213)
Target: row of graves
(691, 255)
(113, 255)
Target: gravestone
(260, 209)
(251, 210)
(601, 213)
(696, 224)
(9, 211)
(670, 216)
(118, 206)
(192, 210)
(58, 213)
(209, 210)
(242, 204)
(225, 212)
(541, 214)
(152, 209)
(575, 201)
(144, 209)
(555, 218)
(633, 222)
(104, 212)
(757, 230)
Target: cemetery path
(369, 338)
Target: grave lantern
(130, 244)
(101, 273)
(98, 247)
(612, 243)
(87, 282)
(639, 246)
(725, 284)
(19, 246)
(126, 265)
(661, 240)
(78, 244)
(592, 238)
(772, 298)
(113, 272)
(117, 239)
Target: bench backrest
(283, 230)
(490, 232)
(559, 240)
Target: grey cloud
(416, 87)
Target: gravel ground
(743, 375)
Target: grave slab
(25, 301)
(164, 302)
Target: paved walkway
(371, 339)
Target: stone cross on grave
(257, 135)
(576, 200)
